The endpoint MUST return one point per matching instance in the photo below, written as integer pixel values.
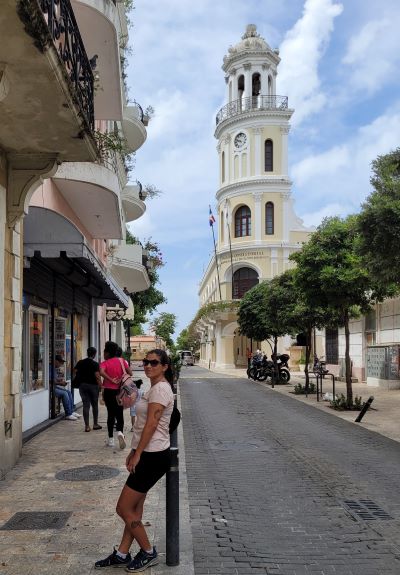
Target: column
(284, 147)
(234, 85)
(247, 84)
(258, 218)
(264, 79)
(257, 150)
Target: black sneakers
(142, 560)
(113, 560)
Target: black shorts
(151, 467)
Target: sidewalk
(383, 417)
(92, 528)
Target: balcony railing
(251, 103)
(66, 37)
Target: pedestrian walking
(111, 371)
(147, 462)
(87, 377)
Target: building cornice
(285, 115)
(247, 186)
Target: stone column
(258, 216)
(284, 139)
(227, 352)
(264, 80)
(247, 83)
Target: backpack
(128, 391)
(175, 419)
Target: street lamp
(129, 317)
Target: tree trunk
(308, 353)
(349, 387)
(275, 373)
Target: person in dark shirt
(88, 375)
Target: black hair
(111, 348)
(91, 351)
(119, 352)
(165, 360)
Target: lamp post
(129, 317)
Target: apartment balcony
(252, 104)
(93, 193)
(100, 23)
(132, 201)
(134, 124)
(128, 269)
(46, 82)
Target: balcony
(264, 103)
(46, 82)
(99, 23)
(134, 124)
(132, 201)
(127, 267)
(92, 191)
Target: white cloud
(373, 57)
(301, 52)
(314, 218)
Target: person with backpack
(147, 462)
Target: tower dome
(251, 44)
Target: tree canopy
(164, 326)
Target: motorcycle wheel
(284, 375)
(252, 373)
(262, 374)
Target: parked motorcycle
(263, 369)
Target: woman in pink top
(147, 462)
(111, 372)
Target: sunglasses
(152, 362)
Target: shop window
(242, 222)
(370, 327)
(332, 346)
(269, 218)
(34, 351)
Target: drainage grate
(87, 473)
(33, 520)
(366, 510)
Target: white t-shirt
(161, 393)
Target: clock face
(240, 140)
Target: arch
(270, 84)
(229, 329)
(228, 272)
(242, 222)
(244, 279)
(256, 84)
(223, 166)
(269, 219)
(240, 86)
(268, 155)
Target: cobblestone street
(276, 486)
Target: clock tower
(257, 226)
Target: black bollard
(365, 408)
(172, 510)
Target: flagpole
(230, 243)
(215, 252)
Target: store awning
(53, 238)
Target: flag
(211, 218)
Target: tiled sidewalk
(93, 526)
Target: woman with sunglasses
(147, 462)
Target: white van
(186, 357)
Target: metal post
(172, 510)
(365, 408)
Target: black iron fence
(252, 103)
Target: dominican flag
(211, 218)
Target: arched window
(269, 155)
(242, 222)
(240, 86)
(269, 218)
(223, 166)
(256, 84)
(243, 280)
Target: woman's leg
(130, 509)
(111, 403)
(119, 413)
(85, 395)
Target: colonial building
(65, 199)
(257, 226)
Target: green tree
(147, 301)
(379, 224)
(265, 311)
(164, 326)
(331, 276)
(187, 339)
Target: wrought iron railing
(251, 103)
(68, 42)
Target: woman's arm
(154, 413)
(98, 378)
(104, 375)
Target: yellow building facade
(256, 222)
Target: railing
(251, 103)
(68, 42)
(138, 112)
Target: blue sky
(340, 68)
